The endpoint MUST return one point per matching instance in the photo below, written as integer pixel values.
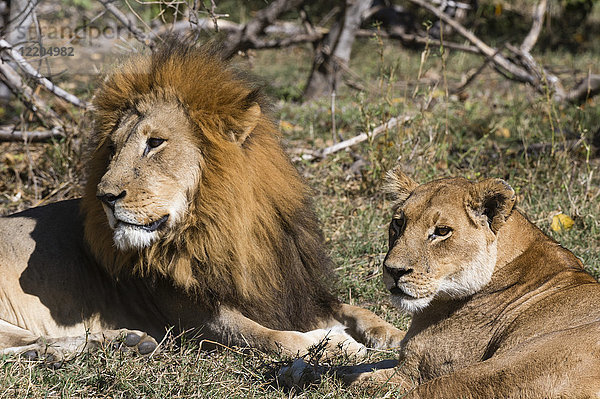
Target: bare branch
(538, 19)
(519, 73)
(408, 39)
(470, 78)
(309, 155)
(587, 88)
(10, 133)
(242, 40)
(523, 67)
(122, 18)
(29, 70)
(203, 24)
(210, 12)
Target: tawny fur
(235, 254)
(247, 240)
(500, 309)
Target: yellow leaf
(285, 125)
(498, 10)
(503, 132)
(289, 127)
(438, 93)
(561, 222)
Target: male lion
(500, 310)
(193, 218)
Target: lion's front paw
(55, 351)
(134, 340)
(54, 357)
(337, 341)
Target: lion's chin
(128, 236)
(410, 304)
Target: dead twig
(586, 88)
(408, 39)
(122, 18)
(243, 39)
(310, 155)
(523, 67)
(10, 133)
(490, 52)
(536, 27)
(471, 77)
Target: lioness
(500, 310)
(193, 218)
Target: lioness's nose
(396, 272)
(110, 199)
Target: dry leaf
(289, 127)
(561, 222)
(503, 132)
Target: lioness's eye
(396, 228)
(442, 231)
(154, 142)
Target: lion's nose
(396, 272)
(111, 199)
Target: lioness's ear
(491, 201)
(398, 184)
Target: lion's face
(442, 238)
(153, 169)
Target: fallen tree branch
(310, 155)
(29, 70)
(587, 88)
(408, 39)
(490, 52)
(527, 70)
(242, 39)
(10, 133)
(536, 27)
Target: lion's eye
(442, 231)
(111, 150)
(154, 142)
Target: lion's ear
(491, 202)
(250, 120)
(250, 117)
(398, 184)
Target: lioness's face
(154, 166)
(441, 243)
